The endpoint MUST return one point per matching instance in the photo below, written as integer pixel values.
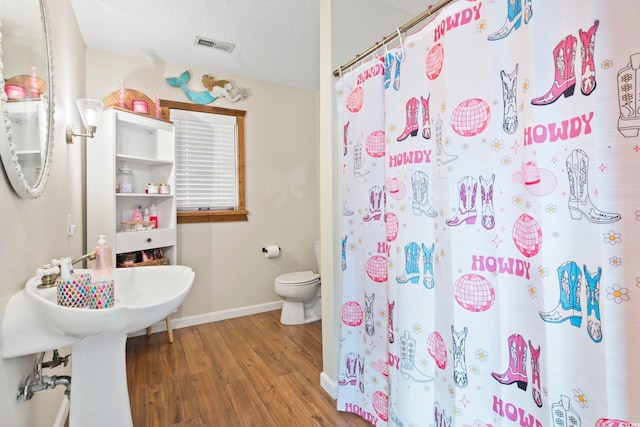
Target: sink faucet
(50, 271)
(90, 256)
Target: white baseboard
(184, 322)
(329, 385)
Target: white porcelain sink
(143, 296)
(34, 322)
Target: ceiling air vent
(214, 44)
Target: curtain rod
(415, 21)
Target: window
(209, 162)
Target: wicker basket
(161, 261)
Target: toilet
(300, 292)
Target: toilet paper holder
(264, 250)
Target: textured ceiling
(267, 34)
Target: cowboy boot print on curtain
(392, 63)
(509, 102)
(358, 166)
(440, 416)
(535, 374)
(564, 82)
(408, 367)
(349, 375)
(376, 195)
(344, 253)
(361, 373)
(429, 280)
(587, 49)
(517, 370)
(420, 202)
(467, 189)
(389, 60)
(344, 139)
(563, 413)
(628, 97)
(411, 118)
(568, 308)
(345, 211)
(516, 13)
(426, 122)
(580, 204)
(411, 269)
(442, 157)
(486, 193)
(460, 376)
(368, 314)
(396, 76)
(592, 285)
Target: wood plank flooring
(250, 371)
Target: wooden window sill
(217, 216)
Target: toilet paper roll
(271, 251)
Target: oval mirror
(26, 90)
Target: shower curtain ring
(400, 57)
(386, 64)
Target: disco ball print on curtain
(491, 220)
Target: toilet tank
(316, 247)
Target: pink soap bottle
(101, 289)
(137, 214)
(103, 264)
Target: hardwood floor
(250, 371)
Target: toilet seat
(298, 278)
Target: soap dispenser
(137, 214)
(101, 289)
(137, 218)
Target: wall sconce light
(90, 112)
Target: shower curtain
(491, 219)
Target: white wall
(281, 154)
(347, 28)
(34, 231)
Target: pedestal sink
(99, 395)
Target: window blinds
(206, 161)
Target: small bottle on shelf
(137, 214)
(138, 218)
(153, 215)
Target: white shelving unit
(147, 145)
(28, 126)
